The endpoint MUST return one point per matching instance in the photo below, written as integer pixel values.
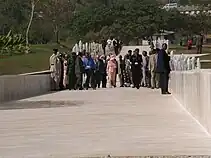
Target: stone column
(198, 63)
(193, 62)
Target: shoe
(152, 87)
(166, 93)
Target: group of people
(77, 71)
(199, 40)
(143, 70)
(84, 70)
(112, 45)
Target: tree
(13, 15)
(124, 18)
(33, 4)
(58, 12)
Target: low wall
(15, 87)
(193, 91)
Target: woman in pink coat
(111, 71)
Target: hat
(113, 57)
(102, 57)
(136, 50)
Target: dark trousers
(61, 86)
(116, 50)
(164, 81)
(122, 77)
(199, 49)
(90, 78)
(79, 81)
(149, 78)
(104, 50)
(72, 81)
(104, 80)
(99, 78)
(136, 76)
(122, 80)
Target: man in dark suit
(199, 43)
(163, 68)
(71, 71)
(136, 65)
(79, 69)
(104, 43)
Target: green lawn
(38, 60)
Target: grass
(38, 60)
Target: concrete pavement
(121, 122)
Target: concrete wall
(14, 87)
(193, 91)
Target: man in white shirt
(55, 68)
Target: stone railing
(15, 87)
(193, 90)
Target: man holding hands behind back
(163, 68)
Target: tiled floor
(121, 122)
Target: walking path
(121, 122)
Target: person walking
(104, 75)
(61, 59)
(163, 68)
(90, 66)
(55, 69)
(111, 71)
(100, 68)
(79, 69)
(199, 43)
(65, 74)
(190, 44)
(71, 71)
(117, 69)
(128, 72)
(104, 43)
(115, 44)
(136, 65)
(121, 71)
(145, 70)
(152, 69)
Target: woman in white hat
(111, 71)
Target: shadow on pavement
(38, 104)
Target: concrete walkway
(121, 122)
